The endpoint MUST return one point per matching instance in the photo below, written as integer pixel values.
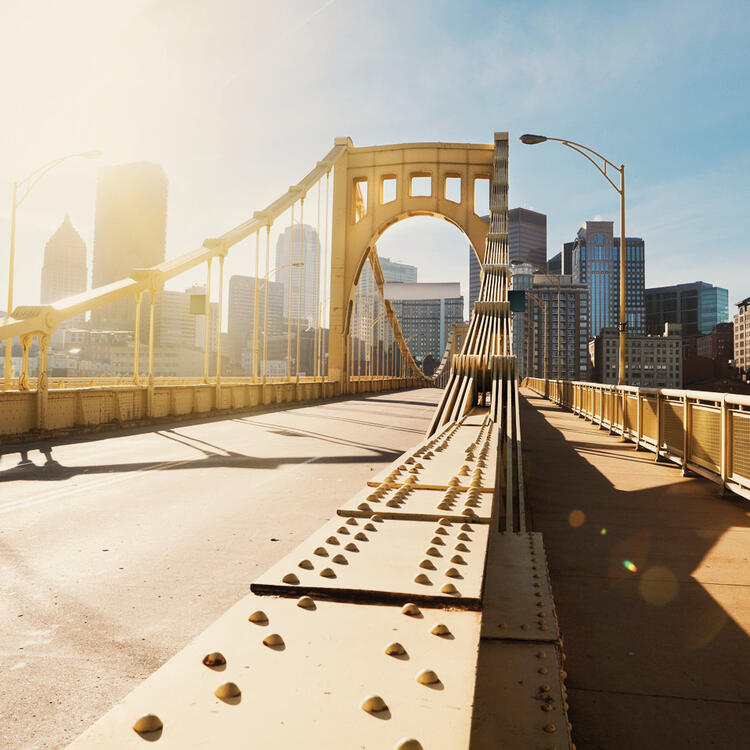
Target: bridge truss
(419, 616)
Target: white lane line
(28, 502)
(55, 494)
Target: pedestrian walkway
(651, 577)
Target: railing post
(611, 410)
(41, 388)
(659, 439)
(218, 328)
(638, 418)
(150, 391)
(207, 337)
(624, 414)
(685, 434)
(725, 444)
(137, 339)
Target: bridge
(413, 562)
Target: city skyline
(673, 187)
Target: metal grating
(739, 426)
(672, 426)
(648, 416)
(705, 436)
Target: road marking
(61, 492)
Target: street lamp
(21, 190)
(530, 140)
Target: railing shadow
(648, 570)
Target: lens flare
(603, 532)
(576, 518)
(631, 566)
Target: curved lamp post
(605, 166)
(21, 190)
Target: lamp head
(95, 154)
(529, 139)
(298, 265)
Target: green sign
(517, 299)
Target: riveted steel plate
(465, 456)
(307, 691)
(410, 503)
(518, 599)
(520, 701)
(385, 561)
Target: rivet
(373, 498)
(544, 688)
(360, 537)
(461, 547)
(437, 540)
(274, 640)
(351, 547)
(466, 527)
(227, 690)
(305, 565)
(427, 565)
(458, 559)
(377, 518)
(320, 551)
(305, 602)
(449, 588)
(410, 609)
(547, 706)
(440, 530)
(537, 593)
(327, 573)
(148, 723)
(214, 659)
(408, 744)
(333, 540)
(440, 629)
(463, 537)
(391, 504)
(444, 506)
(550, 728)
(421, 578)
(374, 704)
(453, 573)
(525, 626)
(340, 559)
(352, 522)
(541, 655)
(432, 552)
(468, 512)
(395, 649)
(427, 677)
(542, 670)
(259, 617)
(445, 522)
(364, 506)
(342, 530)
(290, 578)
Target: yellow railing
(702, 431)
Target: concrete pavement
(651, 577)
(116, 551)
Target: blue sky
(239, 99)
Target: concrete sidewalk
(651, 576)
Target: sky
(239, 99)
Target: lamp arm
(585, 151)
(28, 183)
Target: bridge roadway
(117, 550)
(651, 576)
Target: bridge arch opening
(428, 255)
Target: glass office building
(596, 263)
(697, 306)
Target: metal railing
(704, 432)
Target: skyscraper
(563, 261)
(742, 338)
(527, 237)
(426, 313)
(697, 306)
(596, 263)
(299, 244)
(241, 314)
(395, 271)
(130, 231)
(64, 272)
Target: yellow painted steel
(702, 431)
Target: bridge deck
(651, 578)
